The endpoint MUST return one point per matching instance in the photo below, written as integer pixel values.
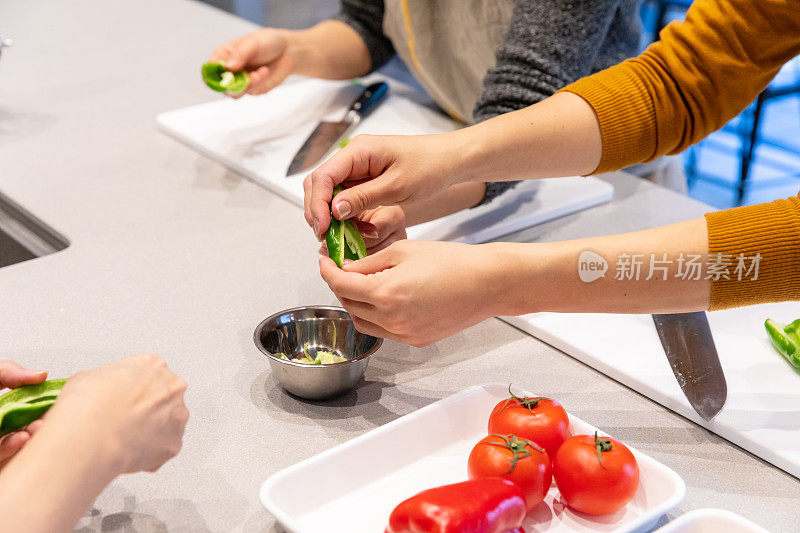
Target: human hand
(134, 406)
(381, 226)
(264, 54)
(420, 292)
(382, 171)
(12, 376)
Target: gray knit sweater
(549, 44)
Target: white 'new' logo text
(591, 266)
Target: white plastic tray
(355, 486)
(711, 521)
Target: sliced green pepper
(343, 239)
(25, 404)
(220, 79)
(356, 248)
(334, 239)
(786, 340)
(793, 328)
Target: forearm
(455, 198)
(53, 480)
(545, 277)
(330, 50)
(559, 136)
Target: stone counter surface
(173, 254)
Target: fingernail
(40, 372)
(343, 208)
(316, 228)
(371, 234)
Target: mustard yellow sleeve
(771, 231)
(703, 72)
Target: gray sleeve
(549, 44)
(366, 17)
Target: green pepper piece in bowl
(25, 404)
(343, 239)
(220, 79)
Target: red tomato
(595, 475)
(541, 420)
(520, 461)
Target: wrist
(524, 277)
(88, 438)
(468, 156)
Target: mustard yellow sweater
(703, 72)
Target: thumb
(383, 190)
(374, 263)
(234, 61)
(12, 375)
(242, 53)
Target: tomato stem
(517, 448)
(525, 401)
(601, 445)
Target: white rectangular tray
(257, 136)
(711, 521)
(354, 487)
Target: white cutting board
(258, 137)
(762, 413)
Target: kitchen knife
(692, 354)
(327, 134)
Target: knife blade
(327, 134)
(692, 355)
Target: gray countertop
(172, 253)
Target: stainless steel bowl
(315, 327)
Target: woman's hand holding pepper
(379, 227)
(134, 406)
(264, 54)
(420, 292)
(12, 376)
(126, 416)
(330, 50)
(382, 171)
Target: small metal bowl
(315, 327)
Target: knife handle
(370, 98)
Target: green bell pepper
(343, 239)
(25, 404)
(786, 340)
(220, 79)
